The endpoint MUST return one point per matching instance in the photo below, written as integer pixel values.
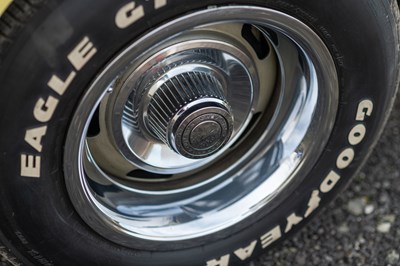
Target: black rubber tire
(39, 223)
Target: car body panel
(3, 5)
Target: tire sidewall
(40, 221)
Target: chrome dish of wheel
(199, 124)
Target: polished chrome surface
(125, 126)
(201, 128)
(189, 113)
(284, 106)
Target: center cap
(189, 113)
(203, 132)
(205, 135)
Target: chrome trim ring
(294, 97)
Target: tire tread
(13, 20)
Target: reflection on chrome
(293, 91)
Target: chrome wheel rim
(290, 97)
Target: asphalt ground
(362, 226)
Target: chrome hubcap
(185, 105)
(194, 129)
(161, 108)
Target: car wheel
(183, 133)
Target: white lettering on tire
(60, 86)
(244, 253)
(365, 108)
(313, 203)
(357, 134)
(82, 53)
(271, 236)
(159, 4)
(44, 109)
(30, 165)
(329, 182)
(129, 14)
(34, 137)
(292, 220)
(223, 261)
(345, 158)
